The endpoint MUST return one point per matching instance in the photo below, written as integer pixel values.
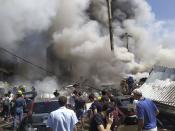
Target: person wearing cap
(146, 112)
(20, 104)
(62, 119)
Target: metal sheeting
(160, 86)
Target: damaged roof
(160, 85)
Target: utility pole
(126, 35)
(110, 24)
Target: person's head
(62, 100)
(33, 88)
(105, 99)
(56, 93)
(9, 92)
(136, 94)
(75, 92)
(104, 92)
(79, 93)
(108, 108)
(92, 97)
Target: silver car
(40, 112)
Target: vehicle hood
(40, 119)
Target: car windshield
(45, 107)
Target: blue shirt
(20, 102)
(146, 111)
(62, 119)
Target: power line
(37, 66)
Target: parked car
(125, 104)
(38, 118)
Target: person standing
(20, 105)
(6, 107)
(62, 119)
(146, 112)
(80, 107)
(102, 120)
(130, 82)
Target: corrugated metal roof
(160, 86)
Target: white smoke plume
(23, 26)
(46, 87)
(85, 44)
(20, 18)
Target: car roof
(45, 100)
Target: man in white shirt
(62, 119)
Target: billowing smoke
(20, 18)
(80, 36)
(85, 44)
(46, 87)
(23, 31)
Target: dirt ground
(121, 128)
(6, 127)
(133, 128)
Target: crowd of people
(100, 112)
(103, 113)
(14, 105)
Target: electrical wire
(27, 61)
(37, 66)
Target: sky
(163, 9)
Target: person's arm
(49, 129)
(85, 107)
(157, 112)
(140, 115)
(140, 125)
(155, 108)
(49, 123)
(74, 120)
(75, 128)
(109, 123)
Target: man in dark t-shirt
(97, 120)
(80, 106)
(101, 121)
